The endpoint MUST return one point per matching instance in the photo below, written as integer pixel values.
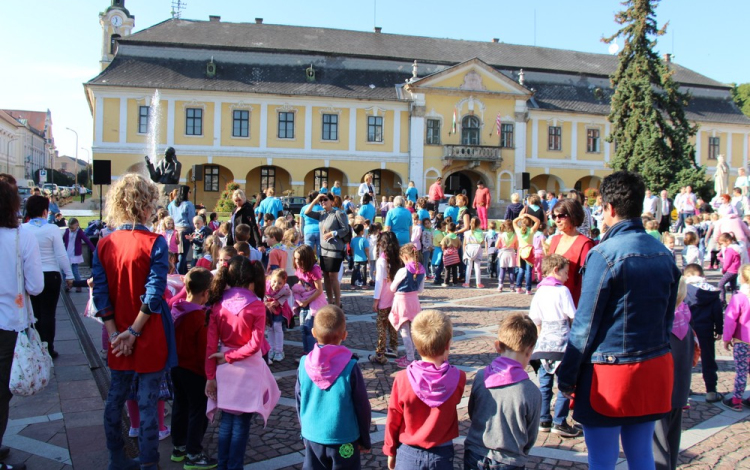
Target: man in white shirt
(651, 205)
(686, 207)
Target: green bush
(225, 203)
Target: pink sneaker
(480, 286)
(402, 362)
(466, 285)
(520, 291)
(528, 292)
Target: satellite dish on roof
(614, 47)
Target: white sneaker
(133, 432)
(270, 358)
(279, 356)
(164, 434)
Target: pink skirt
(405, 308)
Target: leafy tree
(741, 96)
(650, 131)
(225, 202)
(83, 177)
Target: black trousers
(189, 420)
(664, 224)
(7, 346)
(667, 440)
(708, 360)
(45, 306)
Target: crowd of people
(194, 309)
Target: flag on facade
(455, 120)
(497, 123)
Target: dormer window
(113, 43)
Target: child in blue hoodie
(332, 404)
(504, 405)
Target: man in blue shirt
(411, 193)
(270, 205)
(323, 187)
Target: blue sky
(51, 47)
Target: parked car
(23, 193)
(443, 204)
(51, 188)
(293, 204)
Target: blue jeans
(313, 241)
(562, 405)
(438, 272)
(234, 434)
(437, 458)
(308, 341)
(148, 395)
(603, 444)
(182, 259)
(76, 275)
(475, 461)
(524, 271)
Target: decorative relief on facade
(473, 81)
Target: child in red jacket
(189, 421)
(422, 418)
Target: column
(352, 130)
(263, 126)
(217, 124)
(574, 141)
(99, 125)
(308, 128)
(416, 148)
(521, 117)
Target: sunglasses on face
(324, 200)
(560, 216)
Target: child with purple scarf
(504, 404)
(422, 417)
(332, 404)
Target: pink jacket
(730, 259)
(172, 239)
(733, 224)
(737, 319)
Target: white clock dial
(116, 21)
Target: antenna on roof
(177, 7)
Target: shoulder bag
(32, 364)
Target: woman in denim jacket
(617, 365)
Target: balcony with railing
(474, 154)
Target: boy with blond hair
(277, 255)
(422, 418)
(504, 404)
(552, 311)
(332, 404)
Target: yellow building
(290, 107)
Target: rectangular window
(267, 178)
(506, 135)
(211, 178)
(286, 125)
(240, 123)
(555, 138)
(374, 128)
(433, 132)
(330, 127)
(593, 142)
(194, 121)
(376, 181)
(143, 115)
(714, 146)
(321, 174)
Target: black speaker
(197, 172)
(102, 171)
(525, 181)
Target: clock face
(116, 21)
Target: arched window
(113, 43)
(470, 130)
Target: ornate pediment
(473, 81)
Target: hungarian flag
(455, 120)
(497, 124)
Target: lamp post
(76, 164)
(88, 158)
(7, 154)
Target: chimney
(258, 20)
(378, 29)
(668, 58)
(214, 18)
(496, 40)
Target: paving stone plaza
(62, 427)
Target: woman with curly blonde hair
(134, 261)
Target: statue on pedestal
(721, 176)
(168, 170)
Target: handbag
(32, 364)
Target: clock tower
(116, 22)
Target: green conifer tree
(650, 130)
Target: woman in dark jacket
(514, 208)
(243, 214)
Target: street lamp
(76, 164)
(7, 154)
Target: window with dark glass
(286, 125)
(194, 121)
(593, 141)
(374, 128)
(714, 147)
(376, 181)
(555, 138)
(470, 130)
(321, 174)
(143, 114)
(210, 178)
(433, 132)
(330, 127)
(267, 177)
(506, 135)
(240, 123)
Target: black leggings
(451, 271)
(45, 305)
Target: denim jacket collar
(623, 226)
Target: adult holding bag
(334, 235)
(21, 277)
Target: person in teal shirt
(336, 189)
(324, 188)
(398, 221)
(367, 210)
(452, 210)
(411, 193)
